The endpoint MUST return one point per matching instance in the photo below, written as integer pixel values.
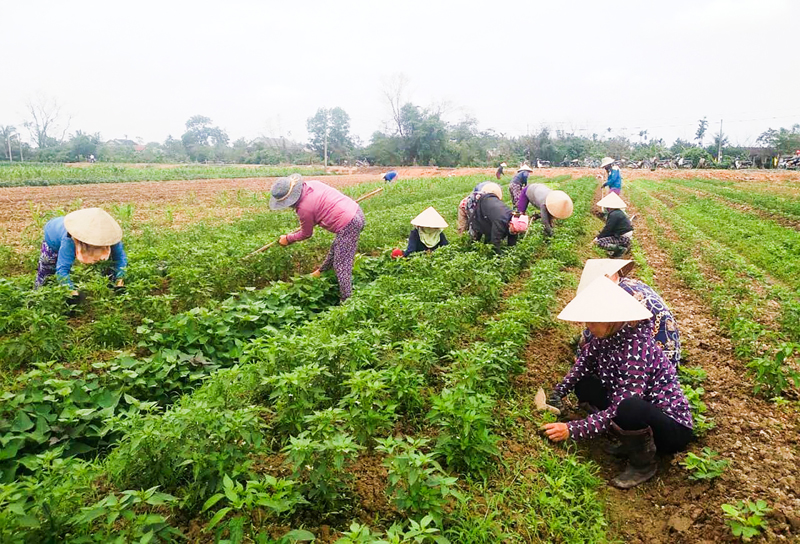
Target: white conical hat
(504, 165)
(612, 200)
(603, 301)
(430, 218)
(93, 226)
(559, 204)
(606, 161)
(526, 168)
(594, 268)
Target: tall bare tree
(46, 121)
(394, 90)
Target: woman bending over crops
(427, 234)
(614, 181)
(88, 235)
(616, 236)
(320, 204)
(664, 327)
(495, 221)
(551, 204)
(466, 209)
(626, 377)
(518, 182)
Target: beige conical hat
(612, 200)
(525, 168)
(430, 218)
(559, 204)
(93, 226)
(594, 268)
(606, 161)
(603, 301)
(494, 189)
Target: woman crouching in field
(427, 234)
(320, 204)
(88, 235)
(632, 388)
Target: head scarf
(429, 236)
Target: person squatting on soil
(466, 209)
(614, 181)
(89, 235)
(551, 204)
(616, 236)
(664, 327)
(499, 172)
(518, 182)
(427, 234)
(495, 221)
(318, 204)
(632, 388)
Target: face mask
(429, 236)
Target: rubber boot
(641, 451)
(614, 446)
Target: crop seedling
(368, 404)
(774, 375)
(746, 518)
(416, 481)
(705, 466)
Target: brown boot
(641, 452)
(614, 446)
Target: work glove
(555, 401)
(118, 290)
(397, 253)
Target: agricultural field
(222, 399)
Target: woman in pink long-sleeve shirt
(320, 204)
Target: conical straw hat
(606, 161)
(559, 204)
(430, 218)
(494, 189)
(612, 200)
(594, 268)
(525, 168)
(93, 226)
(603, 301)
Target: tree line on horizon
(415, 136)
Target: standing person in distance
(617, 234)
(89, 235)
(518, 183)
(551, 204)
(318, 204)
(427, 234)
(614, 180)
(499, 172)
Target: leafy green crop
(705, 466)
(746, 518)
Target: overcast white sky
(143, 68)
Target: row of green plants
(738, 292)
(763, 200)
(27, 174)
(191, 448)
(174, 271)
(764, 243)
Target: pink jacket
(323, 205)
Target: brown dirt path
(761, 440)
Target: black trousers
(634, 414)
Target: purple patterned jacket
(628, 364)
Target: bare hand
(556, 432)
(316, 273)
(283, 240)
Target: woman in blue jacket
(90, 235)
